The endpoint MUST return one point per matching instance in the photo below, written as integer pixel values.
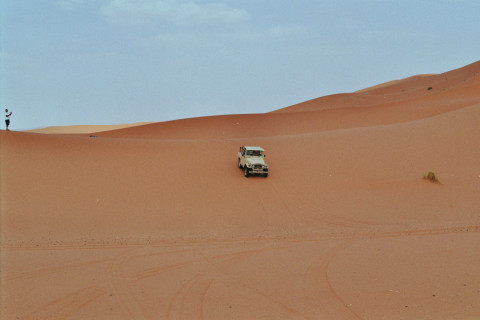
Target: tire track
(366, 235)
(48, 271)
(229, 259)
(152, 272)
(323, 293)
(187, 302)
(178, 308)
(315, 215)
(44, 246)
(295, 220)
(66, 306)
(219, 274)
(192, 303)
(419, 232)
(175, 306)
(304, 210)
(125, 297)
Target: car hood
(255, 160)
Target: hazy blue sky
(67, 62)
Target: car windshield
(256, 153)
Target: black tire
(246, 172)
(239, 165)
(265, 175)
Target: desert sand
(84, 128)
(156, 221)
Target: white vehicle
(251, 160)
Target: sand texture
(156, 221)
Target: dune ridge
(412, 87)
(404, 101)
(79, 129)
(156, 220)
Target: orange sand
(85, 128)
(157, 222)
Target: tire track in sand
(123, 293)
(305, 213)
(312, 213)
(187, 302)
(48, 271)
(217, 272)
(320, 290)
(65, 307)
(159, 269)
(129, 302)
(296, 221)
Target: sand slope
(84, 128)
(157, 222)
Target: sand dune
(417, 88)
(84, 128)
(157, 222)
(389, 83)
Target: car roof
(254, 148)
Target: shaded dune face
(157, 221)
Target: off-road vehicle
(251, 160)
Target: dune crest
(398, 91)
(79, 129)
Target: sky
(73, 62)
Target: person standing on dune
(7, 118)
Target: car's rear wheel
(239, 165)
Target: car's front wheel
(246, 171)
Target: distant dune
(156, 221)
(84, 128)
(389, 83)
